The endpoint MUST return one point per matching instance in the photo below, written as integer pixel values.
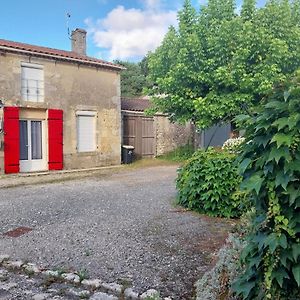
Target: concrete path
(116, 227)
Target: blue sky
(116, 29)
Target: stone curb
(96, 288)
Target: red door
(55, 136)
(11, 140)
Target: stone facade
(170, 136)
(71, 87)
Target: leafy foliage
(208, 183)
(133, 79)
(218, 62)
(271, 170)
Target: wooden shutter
(55, 139)
(11, 140)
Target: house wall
(71, 87)
(170, 136)
(1, 140)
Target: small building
(151, 135)
(59, 109)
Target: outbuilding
(151, 136)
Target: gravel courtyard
(119, 226)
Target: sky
(117, 29)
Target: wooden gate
(138, 131)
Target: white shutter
(32, 82)
(86, 133)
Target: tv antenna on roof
(68, 16)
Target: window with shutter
(32, 87)
(86, 131)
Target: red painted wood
(55, 139)
(11, 140)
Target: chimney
(78, 38)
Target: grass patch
(148, 162)
(180, 154)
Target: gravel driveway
(124, 225)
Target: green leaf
(293, 166)
(244, 165)
(279, 275)
(276, 105)
(272, 241)
(282, 139)
(282, 241)
(284, 256)
(243, 288)
(281, 123)
(296, 273)
(293, 120)
(286, 95)
(282, 179)
(277, 154)
(296, 251)
(293, 194)
(253, 183)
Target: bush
(208, 183)
(270, 165)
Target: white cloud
(128, 33)
(151, 4)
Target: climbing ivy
(270, 166)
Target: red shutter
(11, 140)
(55, 136)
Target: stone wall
(71, 87)
(170, 136)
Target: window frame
(91, 114)
(40, 84)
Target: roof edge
(64, 58)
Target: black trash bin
(127, 154)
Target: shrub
(208, 183)
(234, 145)
(270, 165)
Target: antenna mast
(68, 16)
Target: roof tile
(135, 104)
(66, 55)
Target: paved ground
(119, 226)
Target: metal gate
(138, 131)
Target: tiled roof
(56, 54)
(135, 104)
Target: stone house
(151, 135)
(59, 109)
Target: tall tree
(248, 9)
(222, 63)
(133, 80)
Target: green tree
(248, 10)
(133, 79)
(218, 63)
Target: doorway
(32, 146)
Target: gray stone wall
(170, 136)
(71, 87)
